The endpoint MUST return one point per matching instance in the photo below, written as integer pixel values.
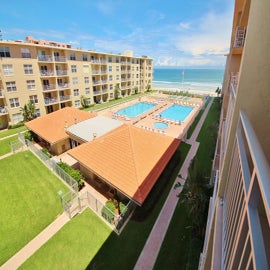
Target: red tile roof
(51, 127)
(129, 158)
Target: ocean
(188, 79)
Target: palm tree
(117, 91)
(28, 111)
(196, 195)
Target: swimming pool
(136, 109)
(160, 125)
(176, 112)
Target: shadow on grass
(122, 252)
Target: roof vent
(94, 135)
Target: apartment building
(53, 75)
(238, 232)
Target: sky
(180, 33)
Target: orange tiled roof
(51, 127)
(128, 158)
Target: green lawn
(114, 252)
(73, 246)
(28, 201)
(12, 131)
(5, 145)
(180, 250)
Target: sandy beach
(192, 91)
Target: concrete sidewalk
(21, 256)
(151, 249)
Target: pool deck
(146, 120)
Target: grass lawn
(179, 249)
(73, 246)
(12, 131)
(5, 146)
(28, 201)
(113, 251)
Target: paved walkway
(151, 249)
(21, 256)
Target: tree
(136, 89)
(218, 91)
(28, 111)
(196, 195)
(117, 91)
(148, 88)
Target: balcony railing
(49, 87)
(3, 110)
(50, 100)
(61, 72)
(96, 82)
(45, 73)
(60, 59)
(63, 85)
(240, 35)
(104, 90)
(104, 81)
(98, 92)
(45, 58)
(95, 71)
(104, 72)
(65, 98)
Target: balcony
(63, 85)
(3, 110)
(240, 35)
(95, 71)
(104, 90)
(64, 98)
(96, 82)
(104, 81)
(49, 87)
(61, 72)
(49, 101)
(46, 73)
(104, 72)
(45, 58)
(60, 59)
(98, 92)
(1, 94)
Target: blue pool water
(176, 112)
(160, 125)
(136, 109)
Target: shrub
(76, 174)
(46, 152)
(29, 136)
(108, 211)
(20, 124)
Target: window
(14, 102)
(137, 68)
(117, 77)
(34, 99)
(132, 68)
(137, 75)
(37, 112)
(31, 84)
(85, 68)
(11, 86)
(84, 57)
(111, 87)
(72, 56)
(117, 60)
(137, 61)
(17, 117)
(110, 78)
(110, 59)
(28, 69)
(87, 90)
(25, 53)
(76, 92)
(86, 80)
(4, 51)
(132, 76)
(73, 68)
(7, 70)
(77, 103)
(117, 68)
(132, 61)
(110, 68)
(111, 95)
(75, 80)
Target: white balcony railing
(48, 101)
(60, 59)
(240, 35)
(45, 73)
(61, 72)
(45, 58)
(3, 110)
(63, 85)
(65, 98)
(49, 87)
